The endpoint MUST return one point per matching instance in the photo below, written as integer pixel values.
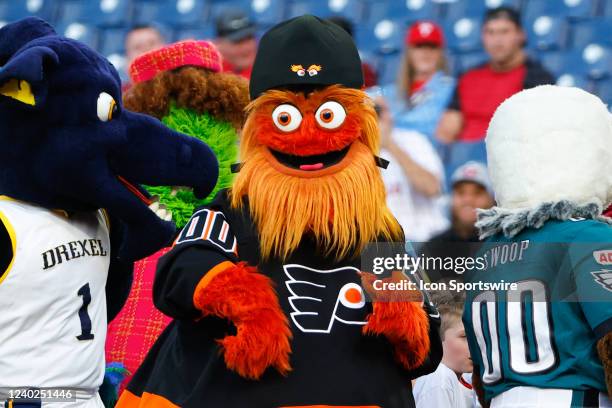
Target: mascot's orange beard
(343, 207)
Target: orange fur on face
(310, 138)
(342, 206)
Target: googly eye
(301, 72)
(352, 296)
(286, 117)
(312, 72)
(106, 107)
(330, 115)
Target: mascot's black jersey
(332, 362)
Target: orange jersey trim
(130, 400)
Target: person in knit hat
(183, 86)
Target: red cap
(425, 32)
(202, 54)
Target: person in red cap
(409, 113)
(423, 88)
(182, 85)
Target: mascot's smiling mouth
(312, 162)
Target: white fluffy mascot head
(549, 151)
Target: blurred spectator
(471, 190)
(236, 41)
(442, 387)
(369, 74)
(141, 39)
(482, 89)
(413, 179)
(423, 90)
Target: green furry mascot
(223, 140)
(182, 86)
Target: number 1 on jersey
(86, 333)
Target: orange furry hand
(398, 314)
(604, 349)
(247, 298)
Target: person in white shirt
(413, 179)
(442, 389)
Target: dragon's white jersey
(52, 298)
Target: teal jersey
(543, 332)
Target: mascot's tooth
(168, 217)
(154, 207)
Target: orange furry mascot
(265, 284)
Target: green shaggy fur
(222, 139)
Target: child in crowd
(443, 388)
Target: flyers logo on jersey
(603, 257)
(322, 298)
(211, 227)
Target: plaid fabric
(195, 53)
(137, 326)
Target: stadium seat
(267, 12)
(102, 13)
(474, 8)
(452, 64)
(463, 35)
(604, 90)
(11, 10)
(547, 32)
(597, 60)
(562, 62)
(388, 67)
(145, 12)
(385, 37)
(593, 61)
(174, 13)
(195, 34)
(215, 7)
(470, 60)
(594, 31)
(120, 63)
(556, 62)
(82, 32)
(351, 9)
(112, 41)
(407, 10)
(573, 9)
(574, 79)
(606, 8)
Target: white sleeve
(420, 149)
(433, 397)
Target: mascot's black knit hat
(305, 50)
